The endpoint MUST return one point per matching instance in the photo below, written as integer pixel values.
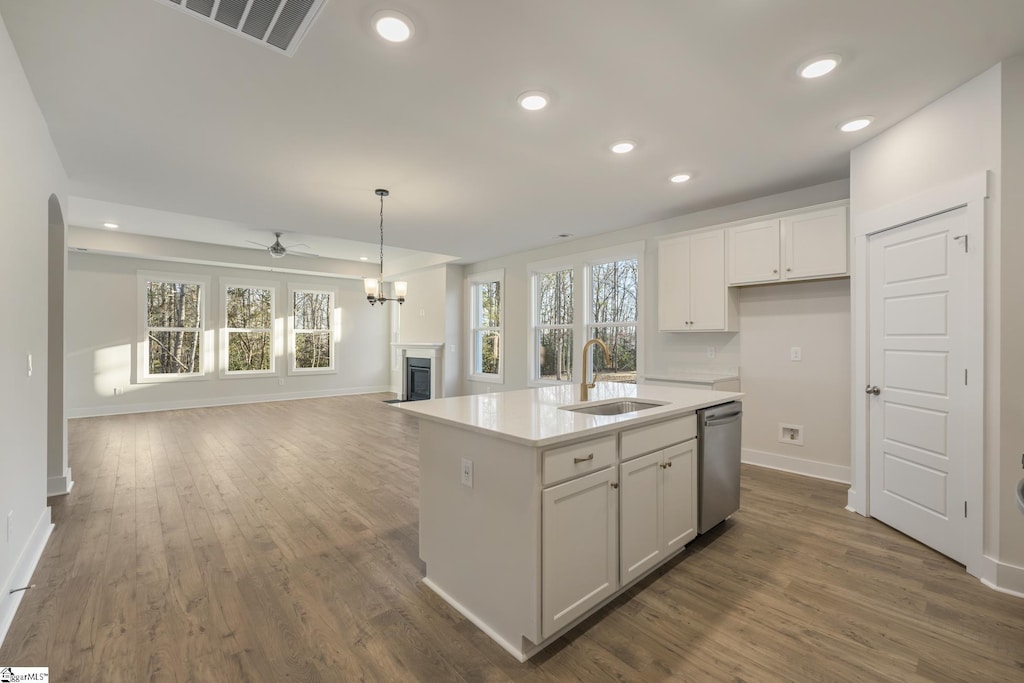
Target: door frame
(969, 192)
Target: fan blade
(265, 246)
(302, 253)
(292, 246)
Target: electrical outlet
(711, 352)
(10, 525)
(791, 434)
(118, 391)
(467, 472)
(795, 354)
(280, 382)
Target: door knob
(872, 390)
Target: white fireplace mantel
(432, 350)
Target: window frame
(536, 272)
(225, 331)
(581, 265)
(601, 258)
(206, 351)
(332, 320)
(473, 282)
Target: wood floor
(278, 542)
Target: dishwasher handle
(716, 420)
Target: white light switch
(30, 365)
(795, 353)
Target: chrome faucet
(584, 387)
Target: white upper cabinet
(802, 246)
(692, 293)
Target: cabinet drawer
(657, 436)
(580, 458)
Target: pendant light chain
(381, 279)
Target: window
(613, 318)
(248, 337)
(486, 326)
(172, 334)
(312, 330)
(553, 321)
(585, 296)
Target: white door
(579, 547)
(707, 281)
(754, 253)
(674, 284)
(640, 496)
(917, 345)
(679, 495)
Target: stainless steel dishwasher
(718, 469)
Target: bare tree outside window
(487, 328)
(613, 297)
(173, 327)
(311, 327)
(554, 325)
(250, 320)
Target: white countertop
(534, 416)
(693, 377)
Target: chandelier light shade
(375, 287)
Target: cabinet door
(674, 284)
(579, 546)
(707, 281)
(679, 495)
(640, 544)
(754, 253)
(816, 244)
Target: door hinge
(964, 238)
(965, 377)
(965, 508)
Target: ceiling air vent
(278, 24)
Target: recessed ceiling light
(533, 100)
(392, 26)
(819, 66)
(680, 178)
(364, 258)
(623, 146)
(859, 123)
(112, 226)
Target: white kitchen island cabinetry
(529, 544)
(692, 292)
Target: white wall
(813, 393)
(954, 137)
(759, 306)
(30, 172)
(102, 329)
(1011, 315)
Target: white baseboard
(1003, 577)
(59, 486)
(787, 463)
(125, 409)
(23, 570)
(479, 623)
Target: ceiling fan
(278, 250)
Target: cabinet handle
(775, 270)
(615, 485)
(668, 464)
(586, 459)
(789, 270)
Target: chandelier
(375, 287)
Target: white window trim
(335, 329)
(206, 351)
(472, 281)
(224, 331)
(580, 264)
(536, 270)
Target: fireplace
(417, 379)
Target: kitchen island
(533, 514)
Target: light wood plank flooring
(278, 541)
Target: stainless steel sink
(614, 408)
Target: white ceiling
(149, 107)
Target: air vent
(278, 24)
